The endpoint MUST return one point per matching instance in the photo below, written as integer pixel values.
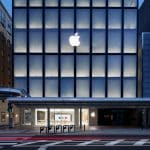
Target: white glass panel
(51, 2)
(51, 41)
(20, 3)
(114, 19)
(51, 66)
(98, 87)
(20, 40)
(130, 66)
(84, 41)
(99, 17)
(35, 69)
(35, 19)
(51, 18)
(82, 87)
(130, 3)
(20, 66)
(83, 3)
(83, 18)
(98, 66)
(98, 43)
(35, 43)
(129, 88)
(114, 3)
(67, 87)
(36, 87)
(114, 41)
(130, 41)
(114, 88)
(130, 19)
(20, 18)
(51, 87)
(67, 18)
(114, 66)
(99, 3)
(20, 83)
(67, 3)
(67, 66)
(65, 45)
(82, 66)
(35, 3)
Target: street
(96, 144)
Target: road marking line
(87, 143)
(140, 142)
(44, 147)
(8, 143)
(27, 143)
(114, 142)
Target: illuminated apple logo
(74, 40)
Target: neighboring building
(93, 84)
(5, 48)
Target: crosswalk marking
(43, 147)
(7, 144)
(140, 142)
(87, 143)
(112, 143)
(27, 143)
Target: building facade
(105, 65)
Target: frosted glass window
(51, 2)
(130, 3)
(20, 40)
(35, 63)
(99, 19)
(67, 66)
(67, 87)
(51, 87)
(35, 43)
(99, 3)
(83, 3)
(114, 3)
(114, 66)
(20, 17)
(35, 3)
(51, 41)
(82, 66)
(98, 87)
(51, 66)
(129, 88)
(67, 3)
(130, 66)
(36, 87)
(114, 88)
(20, 83)
(98, 66)
(67, 18)
(98, 43)
(83, 18)
(20, 3)
(20, 66)
(114, 19)
(130, 41)
(35, 18)
(130, 19)
(51, 18)
(65, 45)
(84, 41)
(114, 41)
(82, 87)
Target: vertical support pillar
(80, 117)
(144, 116)
(10, 107)
(48, 117)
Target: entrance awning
(86, 102)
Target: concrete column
(48, 117)
(144, 114)
(80, 118)
(10, 107)
(76, 117)
(32, 117)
